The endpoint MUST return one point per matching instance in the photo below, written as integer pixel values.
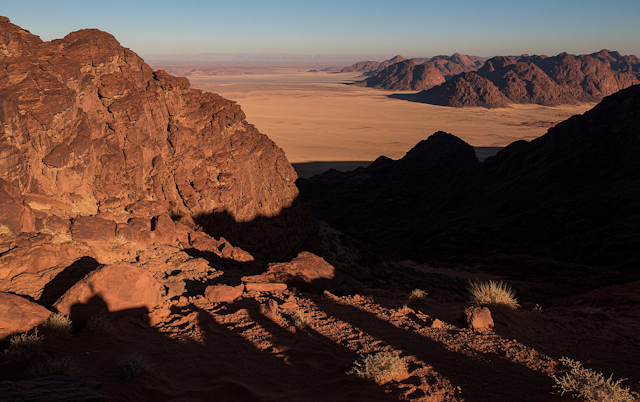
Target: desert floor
(319, 117)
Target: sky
(410, 28)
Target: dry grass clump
(405, 309)
(62, 366)
(417, 297)
(300, 319)
(380, 367)
(100, 324)
(23, 347)
(493, 294)
(130, 366)
(589, 385)
(57, 325)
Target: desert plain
(321, 117)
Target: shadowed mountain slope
(572, 195)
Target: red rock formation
(562, 79)
(110, 289)
(405, 76)
(18, 314)
(466, 89)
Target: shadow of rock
(275, 238)
(66, 279)
(409, 97)
(96, 306)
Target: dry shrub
(405, 309)
(130, 366)
(300, 319)
(23, 347)
(417, 297)
(62, 366)
(57, 325)
(493, 294)
(589, 385)
(100, 324)
(380, 367)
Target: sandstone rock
(477, 318)
(15, 217)
(466, 89)
(307, 269)
(119, 288)
(92, 229)
(117, 140)
(18, 314)
(265, 287)
(436, 324)
(175, 288)
(405, 76)
(223, 293)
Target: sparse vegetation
(589, 385)
(380, 367)
(130, 366)
(23, 347)
(417, 297)
(493, 294)
(300, 319)
(100, 324)
(62, 366)
(405, 309)
(119, 239)
(57, 325)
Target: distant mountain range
(463, 81)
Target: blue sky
(410, 28)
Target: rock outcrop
(419, 73)
(549, 81)
(570, 196)
(103, 160)
(18, 314)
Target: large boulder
(122, 289)
(18, 314)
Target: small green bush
(585, 383)
(130, 366)
(379, 367)
(62, 366)
(496, 294)
(23, 347)
(57, 325)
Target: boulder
(306, 270)
(18, 314)
(477, 318)
(122, 289)
(223, 293)
(93, 229)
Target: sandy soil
(319, 117)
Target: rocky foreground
(169, 231)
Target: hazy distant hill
(561, 79)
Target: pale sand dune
(317, 117)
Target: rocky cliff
(99, 153)
(570, 196)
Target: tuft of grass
(23, 347)
(58, 326)
(62, 366)
(405, 309)
(120, 240)
(589, 385)
(493, 294)
(418, 297)
(100, 324)
(380, 367)
(130, 366)
(300, 319)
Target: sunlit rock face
(88, 128)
